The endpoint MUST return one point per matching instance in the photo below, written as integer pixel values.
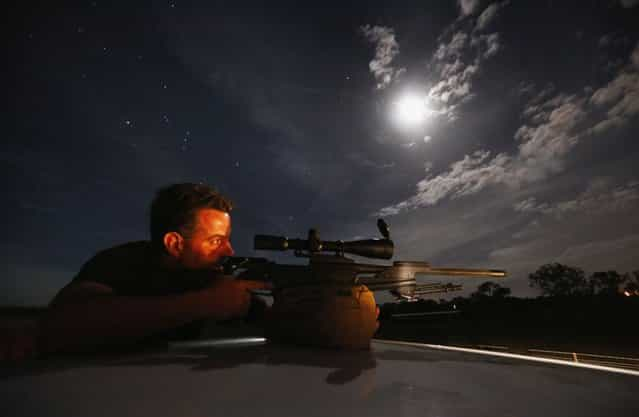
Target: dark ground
(601, 325)
(597, 325)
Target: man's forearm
(116, 320)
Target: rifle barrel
(494, 273)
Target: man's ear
(174, 243)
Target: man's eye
(216, 241)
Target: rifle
(323, 268)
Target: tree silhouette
(556, 279)
(606, 282)
(632, 283)
(491, 289)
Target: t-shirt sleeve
(133, 270)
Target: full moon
(411, 110)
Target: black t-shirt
(136, 269)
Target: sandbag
(332, 315)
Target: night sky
(526, 152)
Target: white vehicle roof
(246, 377)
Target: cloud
(540, 151)
(386, 49)
(489, 15)
(551, 133)
(465, 177)
(452, 48)
(487, 44)
(542, 147)
(458, 59)
(453, 65)
(600, 197)
(456, 86)
(622, 85)
(619, 98)
(554, 125)
(468, 7)
(456, 72)
(604, 249)
(597, 254)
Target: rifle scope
(370, 248)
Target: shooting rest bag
(331, 315)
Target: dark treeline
(574, 312)
(596, 313)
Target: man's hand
(229, 298)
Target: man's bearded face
(209, 241)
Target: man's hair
(174, 207)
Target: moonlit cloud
(526, 88)
(551, 133)
(457, 62)
(487, 44)
(453, 48)
(621, 86)
(600, 197)
(592, 256)
(604, 249)
(386, 49)
(454, 64)
(619, 98)
(464, 177)
(489, 14)
(468, 7)
(553, 126)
